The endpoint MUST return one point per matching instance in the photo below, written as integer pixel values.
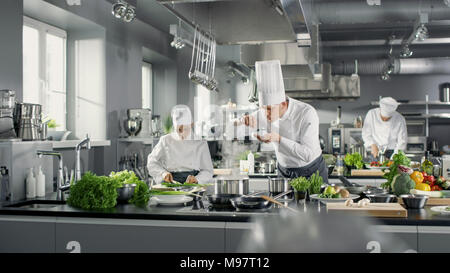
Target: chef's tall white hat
(388, 106)
(269, 79)
(181, 115)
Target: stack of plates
(172, 200)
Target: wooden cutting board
(391, 210)
(432, 201)
(374, 172)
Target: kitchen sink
(37, 204)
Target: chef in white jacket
(290, 125)
(385, 129)
(180, 156)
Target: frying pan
(221, 200)
(352, 188)
(254, 202)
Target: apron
(182, 176)
(306, 171)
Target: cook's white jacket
(172, 154)
(299, 131)
(391, 134)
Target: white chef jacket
(172, 154)
(299, 131)
(391, 134)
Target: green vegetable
(300, 184)
(168, 125)
(52, 124)
(94, 192)
(402, 184)
(100, 192)
(171, 185)
(398, 159)
(354, 160)
(330, 195)
(141, 194)
(315, 182)
(447, 208)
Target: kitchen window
(44, 69)
(147, 85)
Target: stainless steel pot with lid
(279, 184)
(234, 184)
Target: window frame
(44, 29)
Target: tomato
(436, 188)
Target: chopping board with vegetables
(390, 210)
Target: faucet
(60, 187)
(87, 143)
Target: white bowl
(58, 135)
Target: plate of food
(172, 200)
(376, 165)
(441, 209)
(334, 194)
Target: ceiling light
(406, 52)
(124, 11)
(178, 43)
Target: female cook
(179, 156)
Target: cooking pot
(279, 184)
(236, 184)
(445, 92)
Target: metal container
(7, 99)
(414, 201)
(28, 111)
(231, 185)
(382, 198)
(445, 92)
(29, 130)
(125, 193)
(279, 184)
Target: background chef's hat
(181, 115)
(388, 106)
(269, 79)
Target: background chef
(292, 126)
(180, 156)
(385, 129)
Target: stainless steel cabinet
(235, 233)
(395, 239)
(126, 235)
(26, 234)
(434, 239)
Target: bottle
(31, 184)
(40, 183)
(251, 163)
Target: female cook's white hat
(388, 106)
(269, 80)
(181, 115)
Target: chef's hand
(375, 150)
(168, 178)
(191, 180)
(270, 137)
(249, 121)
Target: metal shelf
(145, 141)
(417, 102)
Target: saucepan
(352, 188)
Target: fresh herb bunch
(311, 185)
(316, 182)
(330, 195)
(100, 192)
(94, 192)
(398, 159)
(300, 184)
(354, 160)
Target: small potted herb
(301, 187)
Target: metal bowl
(375, 190)
(125, 193)
(382, 198)
(414, 201)
(356, 189)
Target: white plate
(172, 199)
(333, 200)
(375, 168)
(441, 210)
